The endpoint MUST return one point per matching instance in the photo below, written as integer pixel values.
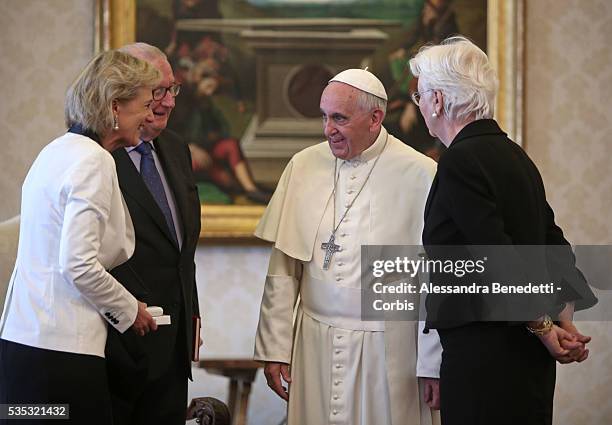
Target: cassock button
(340, 264)
(339, 337)
(335, 412)
(353, 177)
(344, 235)
(336, 397)
(338, 351)
(337, 382)
(350, 191)
(338, 366)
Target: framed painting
(252, 72)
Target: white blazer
(74, 227)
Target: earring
(434, 115)
(115, 122)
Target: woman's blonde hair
(110, 76)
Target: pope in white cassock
(361, 187)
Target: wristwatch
(543, 327)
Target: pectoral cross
(330, 249)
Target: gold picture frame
(115, 22)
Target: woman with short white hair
(75, 226)
(459, 80)
(496, 369)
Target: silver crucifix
(330, 249)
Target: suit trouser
(33, 375)
(162, 400)
(494, 374)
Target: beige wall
(568, 127)
(569, 67)
(44, 45)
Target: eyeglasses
(416, 96)
(160, 92)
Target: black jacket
(158, 273)
(487, 192)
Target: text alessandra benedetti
(493, 288)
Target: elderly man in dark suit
(148, 376)
(487, 192)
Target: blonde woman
(74, 228)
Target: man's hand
(431, 392)
(144, 321)
(274, 371)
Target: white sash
(336, 306)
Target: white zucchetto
(362, 80)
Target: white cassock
(344, 370)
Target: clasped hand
(565, 343)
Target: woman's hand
(566, 323)
(564, 346)
(579, 354)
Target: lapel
(132, 186)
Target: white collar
(129, 149)
(371, 152)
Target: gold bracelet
(542, 328)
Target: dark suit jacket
(488, 192)
(158, 273)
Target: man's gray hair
(143, 51)
(369, 102)
(462, 72)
